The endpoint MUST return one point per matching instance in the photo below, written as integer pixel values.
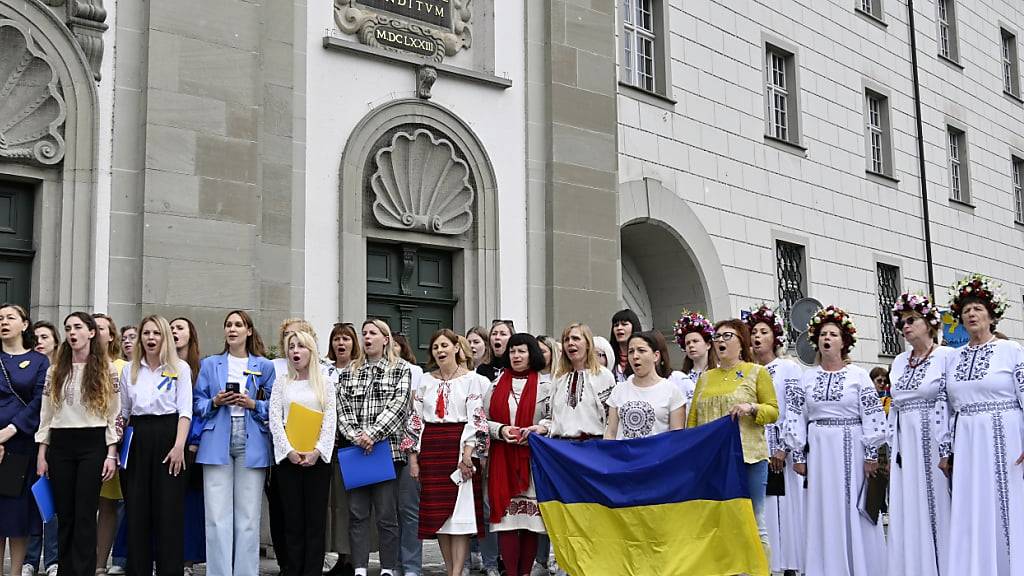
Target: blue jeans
(757, 482)
(119, 553)
(45, 544)
(410, 552)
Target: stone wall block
(241, 121)
(589, 30)
(177, 282)
(171, 192)
(170, 149)
(226, 200)
(586, 211)
(185, 111)
(226, 158)
(217, 71)
(583, 109)
(233, 23)
(197, 239)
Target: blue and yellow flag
(672, 504)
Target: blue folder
(44, 498)
(126, 447)
(360, 469)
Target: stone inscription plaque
(407, 41)
(436, 12)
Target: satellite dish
(805, 351)
(801, 312)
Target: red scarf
(510, 463)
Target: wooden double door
(410, 287)
(16, 253)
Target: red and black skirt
(440, 451)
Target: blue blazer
(215, 438)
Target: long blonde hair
(389, 350)
(591, 364)
(316, 377)
(168, 353)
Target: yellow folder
(303, 427)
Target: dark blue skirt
(20, 517)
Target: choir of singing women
(205, 433)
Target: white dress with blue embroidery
(835, 421)
(784, 515)
(918, 491)
(985, 385)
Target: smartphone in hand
(232, 387)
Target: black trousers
(75, 460)
(275, 518)
(154, 500)
(303, 492)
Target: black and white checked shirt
(374, 398)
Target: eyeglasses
(908, 322)
(723, 336)
(511, 325)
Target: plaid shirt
(374, 399)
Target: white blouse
(462, 402)
(579, 404)
(72, 412)
(282, 395)
(162, 391)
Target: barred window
(1018, 190)
(888, 292)
(792, 278)
(638, 43)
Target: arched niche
(669, 260)
(64, 216)
(476, 278)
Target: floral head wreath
(981, 287)
(831, 315)
(691, 322)
(908, 302)
(766, 314)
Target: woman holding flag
(445, 428)
(302, 460)
(156, 400)
(834, 427)
(647, 403)
(742, 389)
(516, 405)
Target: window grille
(888, 292)
(789, 260)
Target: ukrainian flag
(672, 504)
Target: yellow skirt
(111, 489)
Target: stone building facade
(441, 162)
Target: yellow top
(720, 389)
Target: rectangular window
(1018, 190)
(780, 95)
(888, 291)
(959, 188)
(1011, 65)
(871, 7)
(946, 18)
(638, 43)
(877, 133)
(792, 277)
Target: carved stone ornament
(421, 184)
(425, 78)
(86, 21)
(405, 25)
(32, 108)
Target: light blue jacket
(215, 438)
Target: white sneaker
(51, 570)
(27, 570)
(115, 570)
(189, 571)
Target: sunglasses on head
(509, 323)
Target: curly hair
(98, 385)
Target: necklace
(914, 361)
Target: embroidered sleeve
(414, 423)
(942, 420)
(874, 429)
(114, 410)
(45, 410)
(1018, 374)
(475, 432)
(794, 429)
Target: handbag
(13, 474)
(776, 483)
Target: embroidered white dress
(985, 385)
(579, 404)
(463, 402)
(784, 515)
(918, 491)
(835, 421)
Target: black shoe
(341, 569)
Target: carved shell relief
(388, 24)
(32, 108)
(421, 184)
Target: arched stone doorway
(668, 260)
